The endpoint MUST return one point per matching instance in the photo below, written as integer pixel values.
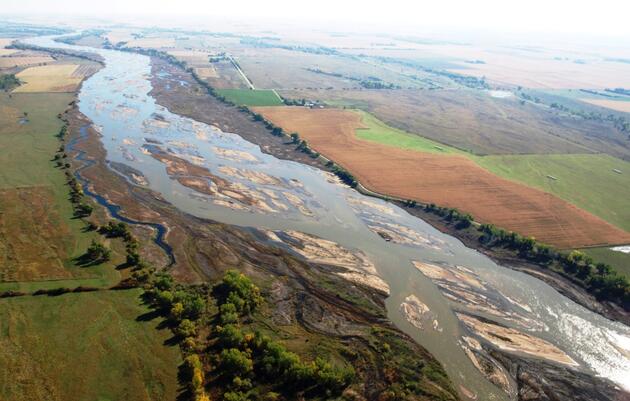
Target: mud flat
(234, 155)
(512, 340)
(418, 314)
(356, 265)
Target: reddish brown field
(453, 181)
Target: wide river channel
(295, 197)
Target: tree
(236, 362)
(186, 328)
(97, 252)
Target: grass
(27, 170)
(378, 131)
(87, 346)
(618, 260)
(49, 78)
(587, 181)
(252, 97)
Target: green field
(251, 97)
(378, 131)
(619, 260)
(587, 181)
(34, 201)
(87, 346)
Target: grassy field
(377, 131)
(249, 97)
(38, 235)
(87, 346)
(619, 260)
(587, 181)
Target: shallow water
(116, 99)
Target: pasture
(251, 97)
(475, 122)
(618, 260)
(587, 181)
(49, 78)
(38, 233)
(447, 180)
(120, 355)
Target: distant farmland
(448, 180)
(251, 97)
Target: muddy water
(291, 196)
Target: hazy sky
(602, 17)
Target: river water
(117, 100)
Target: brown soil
(452, 181)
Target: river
(117, 100)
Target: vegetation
(104, 334)
(377, 131)
(251, 97)
(367, 83)
(618, 121)
(8, 82)
(598, 278)
(27, 170)
(451, 215)
(236, 363)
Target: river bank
(197, 104)
(303, 297)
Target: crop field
(39, 236)
(617, 105)
(49, 78)
(120, 355)
(206, 72)
(476, 122)
(252, 97)
(23, 61)
(152, 43)
(599, 184)
(448, 180)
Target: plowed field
(447, 180)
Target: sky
(592, 17)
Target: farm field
(375, 130)
(37, 214)
(455, 181)
(617, 105)
(85, 346)
(251, 97)
(49, 78)
(587, 181)
(16, 61)
(474, 121)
